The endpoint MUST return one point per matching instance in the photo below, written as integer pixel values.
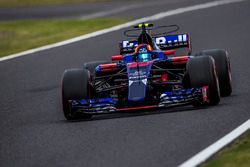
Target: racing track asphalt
(34, 132)
(115, 8)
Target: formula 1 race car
(153, 71)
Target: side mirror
(117, 58)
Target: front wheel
(75, 86)
(201, 72)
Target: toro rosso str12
(152, 71)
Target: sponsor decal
(172, 40)
(129, 44)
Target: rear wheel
(201, 72)
(222, 63)
(75, 85)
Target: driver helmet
(144, 52)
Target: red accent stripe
(108, 70)
(111, 65)
(144, 63)
(164, 76)
(136, 108)
(204, 93)
(132, 65)
(116, 58)
(169, 52)
(140, 64)
(180, 58)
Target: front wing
(167, 99)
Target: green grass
(236, 155)
(16, 36)
(19, 3)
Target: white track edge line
(121, 26)
(205, 154)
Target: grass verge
(21, 3)
(16, 36)
(236, 155)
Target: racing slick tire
(201, 72)
(75, 85)
(92, 65)
(222, 63)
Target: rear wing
(164, 43)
